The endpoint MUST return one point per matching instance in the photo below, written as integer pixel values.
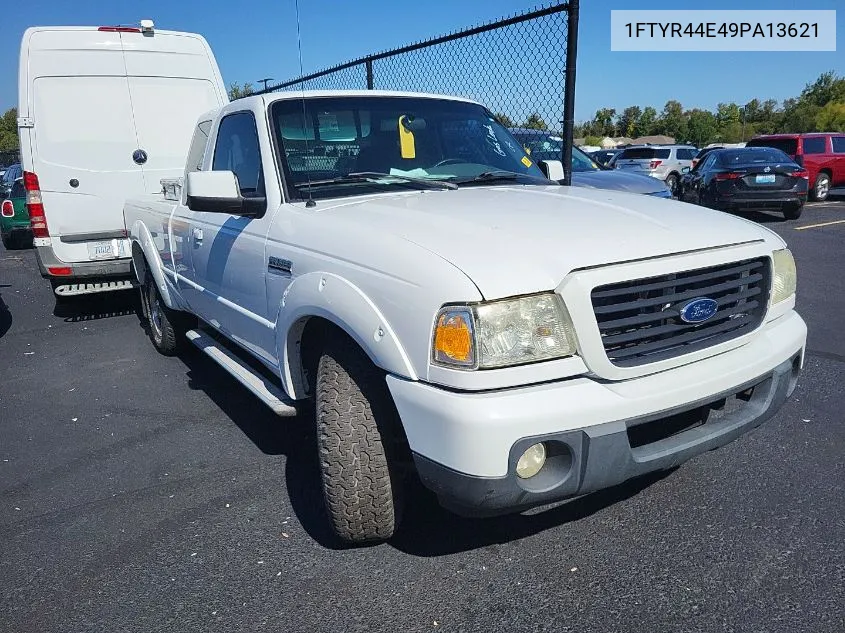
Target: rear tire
(357, 429)
(7, 241)
(793, 212)
(821, 188)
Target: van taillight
(8, 209)
(34, 205)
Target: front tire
(821, 188)
(165, 336)
(672, 183)
(357, 428)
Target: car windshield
(334, 146)
(751, 156)
(546, 146)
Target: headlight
(785, 279)
(503, 333)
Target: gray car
(543, 145)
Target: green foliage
(9, 131)
(236, 91)
(819, 108)
(504, 119)
(592, 140)
(534, 122)
(831, 117)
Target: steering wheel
(449, 161)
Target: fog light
(531, 461)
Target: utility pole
(265, 81)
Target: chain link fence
(521, 67)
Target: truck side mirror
(219, 192)
(552, 169)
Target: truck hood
(520, 239)
(617, 180)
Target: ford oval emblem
(699, 310)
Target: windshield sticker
(494, 142)
(525, 161)
(328, 122)
(406, 140)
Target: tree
(672, 121)
(831, 118)
(828, 87)
(647, 123)
(237, 91)
(603, 122)
(9, 131)
(534, 122)
(629, 121)
(504, 119)
(701, 126)
(595, 141)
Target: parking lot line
(819, 225)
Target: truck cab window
(197, 149)
(237, 150)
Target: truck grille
(640, 321)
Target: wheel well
(139, 263)
(826, 171)
(312, 332)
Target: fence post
(369, 74)
(569, 89)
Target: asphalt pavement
(144, 493)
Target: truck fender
(146, 261)
(335, 299)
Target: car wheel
(357, 428)
(672, 183)
(7, 241)
(793, 212)
(164, 334)
(821, 188)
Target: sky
(261, 41)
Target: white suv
(665, 162)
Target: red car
(822, 154)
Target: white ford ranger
(454, 313)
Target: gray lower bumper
(107, 268)
(593, 458)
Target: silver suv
(665, 162)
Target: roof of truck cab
(299, 94)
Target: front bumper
(599, 433)
(100, 269)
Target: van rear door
(83, 137)
(173, 78)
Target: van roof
(299, 94)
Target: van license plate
(765, 178)
(108, 249)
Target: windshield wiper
(373, 176)
(493, 176)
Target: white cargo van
(104, 113)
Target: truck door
(228, 251)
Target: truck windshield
(326, 143)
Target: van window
(96, 134)
(786, 145)
(838, 144)
(685, 153)
(815, 145)
(18, 190)
(198, 144)
(648, 153)
(237, 150)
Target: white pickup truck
(456, 315)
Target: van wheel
(793, 212)
(821, 188)
(356, 434)
(162, 329)
(7, 241)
